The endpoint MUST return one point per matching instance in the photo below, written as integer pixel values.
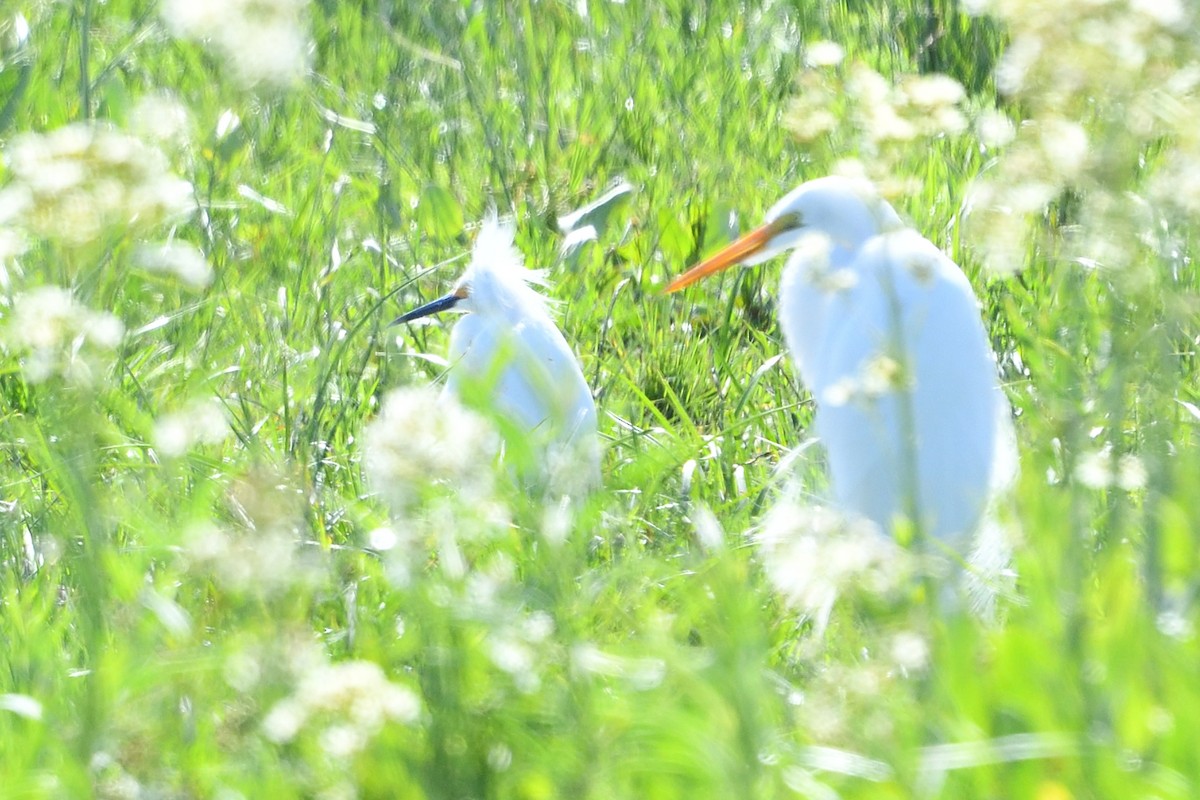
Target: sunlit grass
(199, 584)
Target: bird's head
(846, 210)
(494, 282)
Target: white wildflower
(811, 554)
(424, 438)
(342, 741)
(263, 41)
(877, 377)
(262, 562)
(994, 129)
(1098, 470)
(824, 54)
(76, 182)
(382, 539)
(284, 721)
(910, 651)
(1066, 145)
(352, 701)
(934, 91)
(183, 260)
(161, 117)
(55, 334)
(201, 422)
(517, 659)
(1167, 13)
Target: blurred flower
(811, 554)
(910, 651)
(263, 41)
(261, 563)
(1099, 470)
(824, 54)
(871, 114)
(54, 334)
(994, 128)
(516, 658)
(348, 703)
(1109, 94)
(424, 439)
(184, 261)
(162, 118)
(74, 183)
(201, 422)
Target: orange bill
(735, 253)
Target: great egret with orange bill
(886, 333)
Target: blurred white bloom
(933, 91)
(811, 554)
(263, 41)
(910, 651)
(423, 438)
(352, 700)
(1167, 13)
(824, 54)
(77, 181)
(863, 104)
(183, 260)
(880, 376)
(342, 741)
(260, 563)
(284, 721)
(161, 117)
(994, 128)
(55, 334)
(382, 539)
(201, 422)
(1098, 471)
(1066, 145)
(517, 659)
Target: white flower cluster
(78, 181)
(350, 702)
(853, 108)
(1110, 89)
(1101, 470)
(424, 439)
(259, 563)
(811, 554)
(263, 41)
(868, 113)
(200, 422)
(53, 334)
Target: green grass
(155, 669)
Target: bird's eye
(789, 221)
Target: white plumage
(506, 353)
(886, 333)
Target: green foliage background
(415, 121)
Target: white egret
(507, 350)
(886, 334)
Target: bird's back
(534, 382)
